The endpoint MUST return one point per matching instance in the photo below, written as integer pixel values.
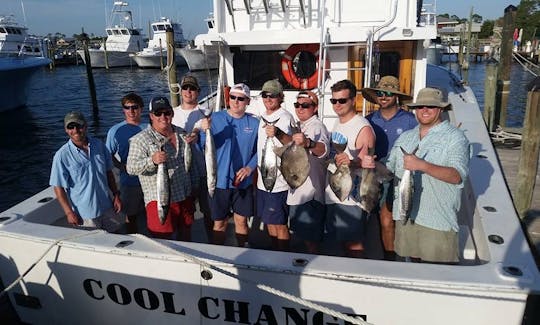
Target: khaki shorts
(428, 244)
(109, 221)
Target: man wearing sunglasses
(235, 138)
(82, 177)
(161, 143)
(345, 220)
(388, 122)
(272, 205)
(188, 116)
(118, 144)
(440, 167)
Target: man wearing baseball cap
(161, 143)
(437, 153)
(82, 177)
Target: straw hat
(430, 97)
(387, 83)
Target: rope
(523, 61)
(168, 70)
(263, 287)
(55, 243)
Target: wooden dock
(509, 159)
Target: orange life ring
(287, 66)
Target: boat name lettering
(219, 309)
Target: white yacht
(155, 54)
(21, 55)
(122, 40)
(202, 56)
(65, 275)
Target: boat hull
(15, 76)
(115, 59)
(148, 61)
(196, 59)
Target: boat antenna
(24, 13)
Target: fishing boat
(155, 54)
(56, 274)
(201, 55)
(122, 40)
(21, 55)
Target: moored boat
(200, 55)
(122, 40)
(78, 276)
(21, 56)
(155, 54)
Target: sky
(69, 16)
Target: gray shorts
(307, 220)
(428, 244)
(132, 200)
(109, 221)
(346, 223)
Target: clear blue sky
(68, 16)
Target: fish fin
(280, 150)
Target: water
(30, 136)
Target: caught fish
(340, 179)
(294, 162)
(187, 153)
(163, 191)
(370, 186)
(406, 191)
(269, 165)
(210, 162)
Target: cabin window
(116, 32)
(154, 28)
(3, 30)
(256, 67)
(386, 64)
(109, 32)
(124, 32)
(161, 27)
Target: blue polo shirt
(236, 146)
(118, 143)
(84, 177)
(387, 131)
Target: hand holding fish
(205, 123)
(413, 163)
(159, 157)
(192, 137)
(300, 139)
(342, 159)
(270, 130)
(368, 161)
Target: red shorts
(180, 216)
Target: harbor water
(29, 136)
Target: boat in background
(21, 55)
(155, 54)
(122, 40)
(200, 55)
(57, 274)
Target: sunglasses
(190, 88)
(166, 113)
(339, 100)
(303, 105)
(428, 107)
(233, 97)
(381, 93)
(266, 95)
(74, 125)
(131, 107)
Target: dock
(509, 160)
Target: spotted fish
(406, 192)
(269, 163)
(163, 191)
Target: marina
(133, 278)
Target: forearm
(63, 199)
(442, 173)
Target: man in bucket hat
(388, 122)
(437, 154)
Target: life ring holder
(287, 66)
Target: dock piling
(174, 88)
(490, 90)
(90, 75)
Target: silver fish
(210, 161)
(406, 192)
(370, 186)
(340, 180)
(163, 191)
(188, 158)
(294, 162)
(269, 164)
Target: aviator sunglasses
(303, 105)
(233, 97)
(131, 107)
(266, 95)
(382, 93)
(74, 125)
(166, 113)
(338, 100)
(188, 87)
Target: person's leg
(387, 232)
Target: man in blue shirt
(82, 177)
(388, 122)
(235, 136)
(118, 144)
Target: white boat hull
(196, 59)
(157, 61)
(115, 59)
(15, 76)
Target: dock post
(174, 88)
(490, 92)
(160, 55)
(503, 77)
(530, 148)
(90, 75)
(105, 56)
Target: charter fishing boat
(58, 275)
(122, 40)
(155, 54)
(202, 55)
(21, 55)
